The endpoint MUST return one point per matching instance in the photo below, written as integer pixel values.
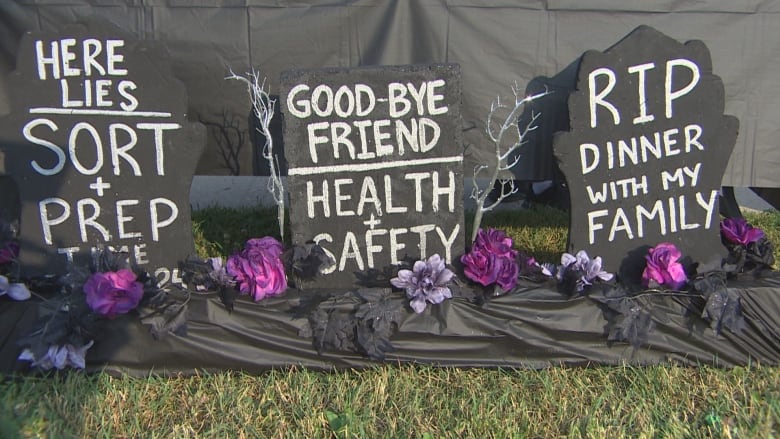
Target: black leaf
(375, 278)
(723, 310)
(630, 319)
(633, 326)
(164, 312)
(372, 343)
(306, 261)
(710, 281)
(105, 260)
(228, 296)
(331, 330)
(569, 284)
(760, 254)
(63, 320)
(378, 317)
(196, 272)
(170, 319)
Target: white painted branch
(263, 108)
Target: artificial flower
(426, 282)
(531, 269)
(495, 242)
(662, 268)
(583, 269)
(113, 292)
(739, 231)
(16, 291)
(58, 357)
(491, 260)
(258, 268)
(8, 252)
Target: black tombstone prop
(101, 151)
(646, 152)
(375, 166)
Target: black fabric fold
(533, 326)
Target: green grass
(403, 401)
(394, 400)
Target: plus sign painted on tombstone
(98, 186)
(372, 222)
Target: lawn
(402, 400)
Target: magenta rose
(739, 231)
(114, 292)
(662, 268)
(492, 260)
(258, 268)
(507, 271)
(495, 242)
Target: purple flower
(258, 268)
(113, 292)
(588, 270)
(492, 260)
(16, 291)
(59, 357)
(426, 282)
(739, 231)
(662, 268)
(9, 252)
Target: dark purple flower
(426, 282)
(662, 268)
(588, 269)
(113, 292)
(59, 357)
(739, 231)
(258, 268)
(492, 260)
(9, 251)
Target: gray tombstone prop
(101, 151)
(375, 166)
(646, 152)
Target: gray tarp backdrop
(497, 43)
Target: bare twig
(263, 107)
(507, 137)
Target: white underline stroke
(76, 111)
(363, 167)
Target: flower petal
(418, 304)
(19, 291)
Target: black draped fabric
(532, 327)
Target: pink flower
(258, 268)
(492, 260)
(113, 292)
(662, 268)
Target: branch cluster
(264, 107)
(507, 136)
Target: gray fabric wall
(497, 43)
